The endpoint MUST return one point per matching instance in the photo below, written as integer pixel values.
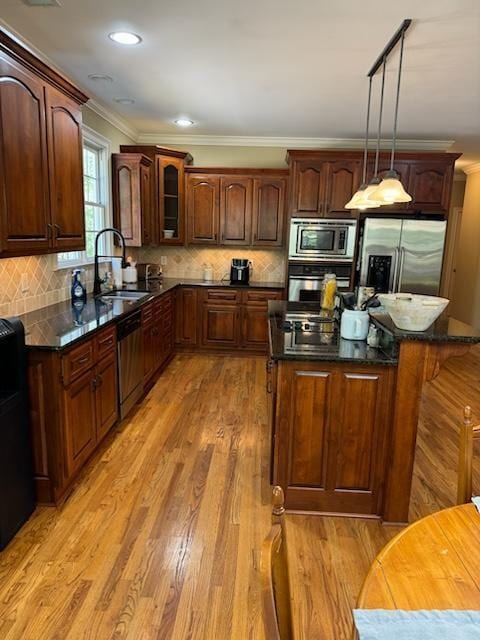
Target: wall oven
(321, 239)
(305, 280)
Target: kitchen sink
(135, 296)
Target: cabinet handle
(99, 380)
(57, 230)
(83, 359)
(94, 384)
(49, 231)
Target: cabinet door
(126, 198)
(80, 421)
(106, 395)
(171, 199)
(146, 203)
(221, 326)
(64, 127)
(255, 327)
(24, 196)
(308, 188)
(203, 203)
(342, 180)
(268, 212)
(236, 210)
(430, 185)
(186, 316)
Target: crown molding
(471, 168)
(114, 119)
(289, 142)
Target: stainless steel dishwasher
(130, 361)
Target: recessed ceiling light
(124, 100)
(98, 77)
(125, 37)
(184, 122)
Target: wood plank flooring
(161, 536)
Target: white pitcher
(354, 324)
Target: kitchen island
(344, 415)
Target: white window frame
(97, 141)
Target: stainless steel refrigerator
(402, 255)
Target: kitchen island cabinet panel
(24, 195)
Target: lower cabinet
(331, 434)
(73, 404)
(158, 335)
(220, 326)
(187, 316)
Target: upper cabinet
(41, 150)
(236, 207)
(132, 197)
(167, 193)
(324, 181)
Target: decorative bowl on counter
(413, 312)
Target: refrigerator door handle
(400, 269)
(394, 281)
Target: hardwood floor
(161, 536)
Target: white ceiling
(283, 68)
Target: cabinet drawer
(261, 296)
(105, 342)
(77, 361)
(147, 314)
(223, 295)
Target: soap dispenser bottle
(79, 289)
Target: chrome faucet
(97, 283)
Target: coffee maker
(240, 271)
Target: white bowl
(168, 233)
(413, 312)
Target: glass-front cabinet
(171, 196)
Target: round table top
(432, 564)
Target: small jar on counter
(329, 291)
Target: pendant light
(372, 188)
(391, 190)
(360, 200)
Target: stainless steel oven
(322, 239)
(305, 280)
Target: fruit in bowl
(413, 312)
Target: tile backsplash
(46, 284)
(189, 262)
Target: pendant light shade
(390, 190)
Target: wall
(223, 156)
(189, 262)
(46, 283)
(465, 303)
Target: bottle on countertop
(329, 291)
(79, 288)
(130, 275)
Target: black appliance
(17, 496)
(240, 271)
(379, 272)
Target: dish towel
(382, 624)
(476, 502)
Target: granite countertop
(59, 326)
(282, 345)
(444, 329)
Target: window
(97, 213)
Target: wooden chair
(468, 433)
(276, 601)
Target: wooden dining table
(432, 564)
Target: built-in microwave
(322, 239)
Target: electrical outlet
(25, 283)
(163, 261)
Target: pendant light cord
(379, 133)
(395, 118)
(367, 131)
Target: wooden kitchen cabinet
(237, 207)
(324, 181)
(132, 198)
(167, 194)
(203, 207)
(331, 435)
(236, 210)
(268, 211)
(255, 318)
(73, 405)
(41, 150)
(186, 307)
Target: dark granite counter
(445, 329)
(59, 325)
(285, 346)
